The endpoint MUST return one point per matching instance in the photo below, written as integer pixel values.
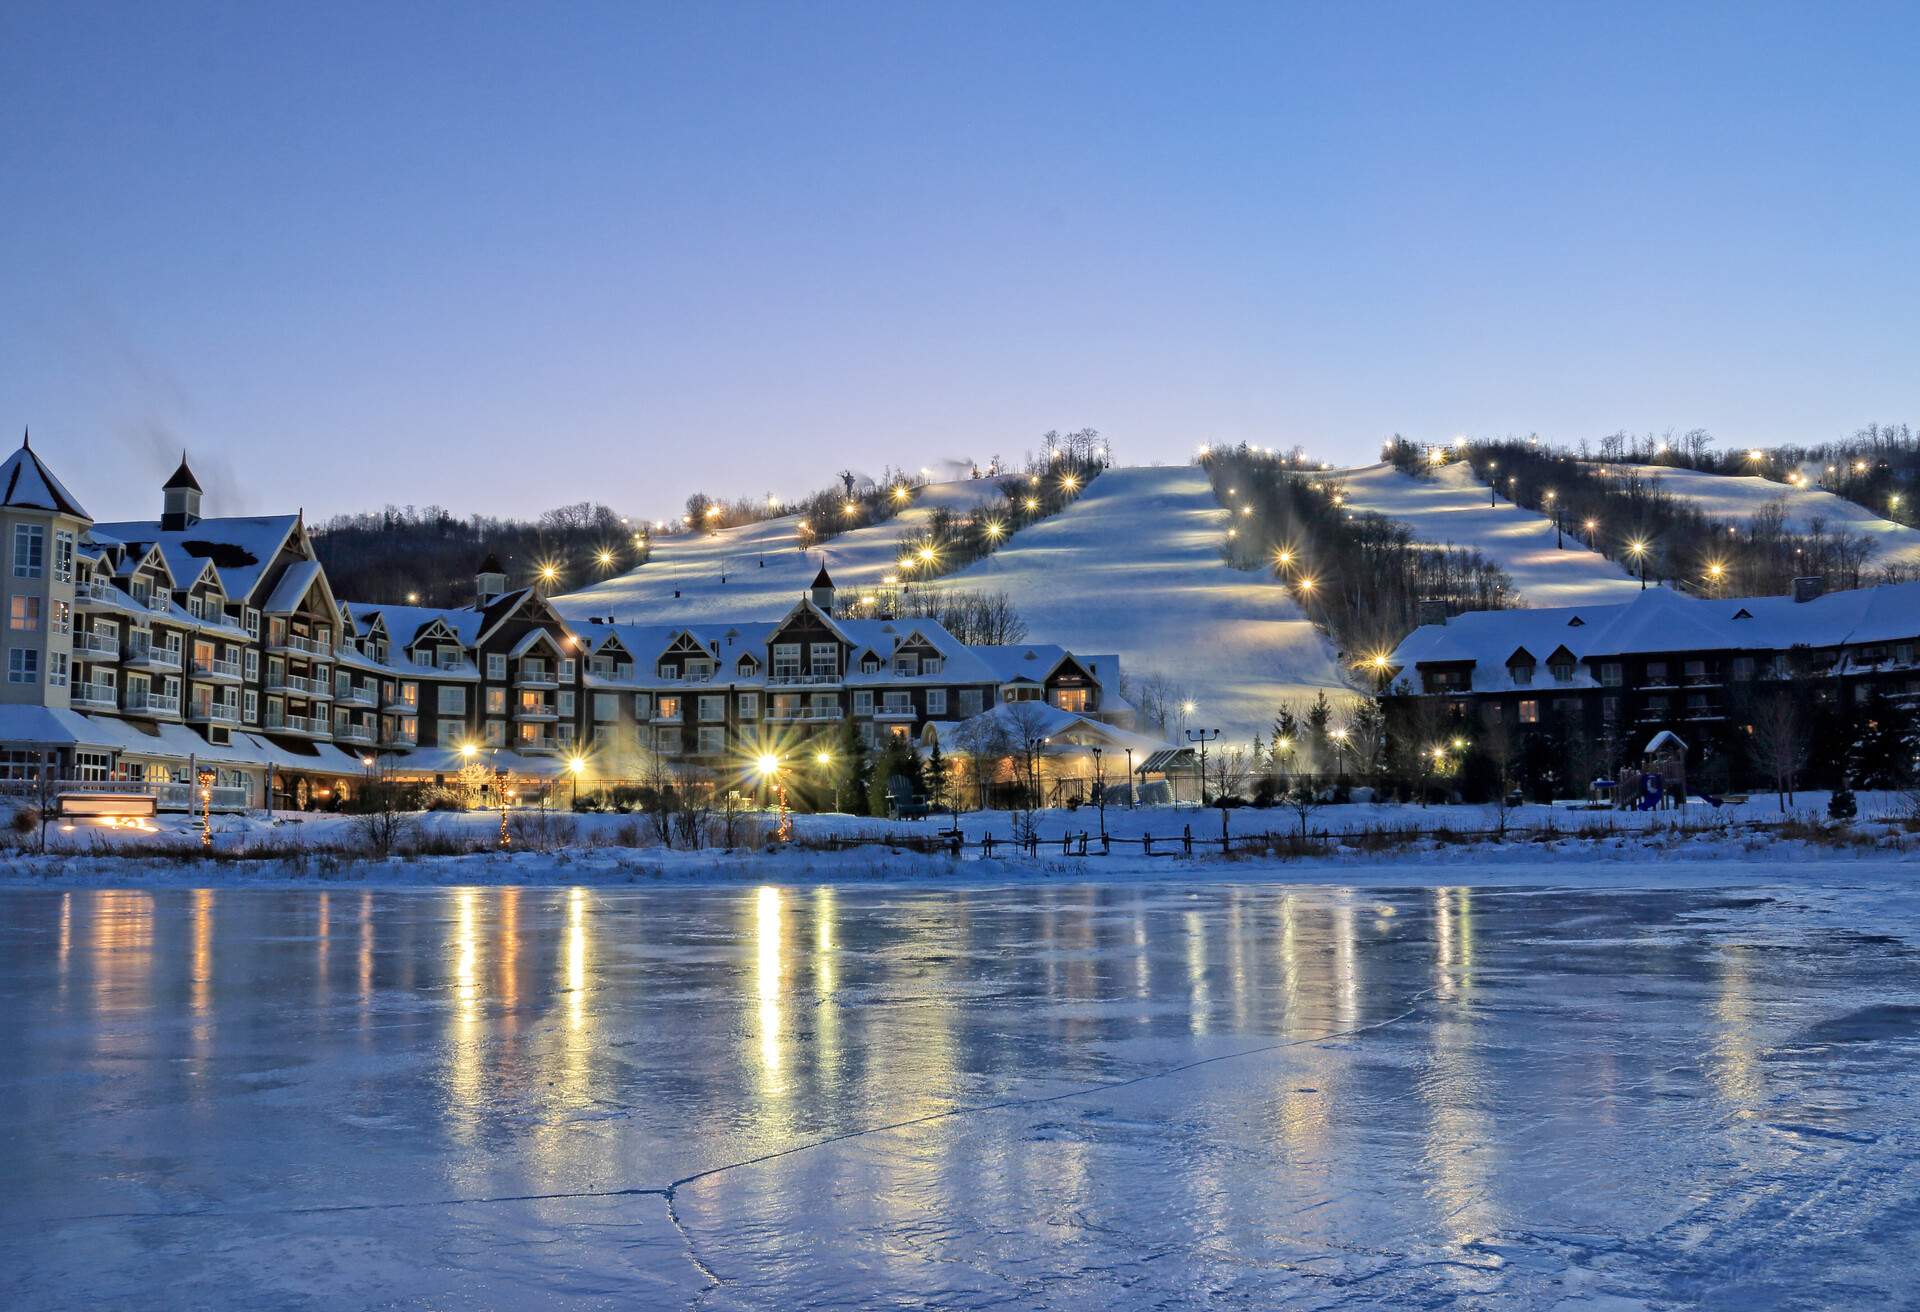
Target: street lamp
(575, 766)
(1637, 548)
(1099, 789)
(769, 768)
(824, 759)
(1203, 737)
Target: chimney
(489, 581)
(1806, 589)
(1432, 610)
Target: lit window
(24, 615)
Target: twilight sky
(502, 257)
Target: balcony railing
(285, 722)
(160, 602)
(352, 695)
(216, 669)
(152, 703)
(544, 743)
(96, 644)
(535, 713)
(669, 676)
(95, 697)
(794, 679)
(213, 713)
(166, 797)
(806, 714)
(894, 713)
(353, 733)
(535, 677)
(146, 653)
(94, 591)
(299, 685)
(399, 739)
(305, 646)
(398, 706)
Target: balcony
(144, 655)
(213, 713)
(536, 713)
(535, 676)
(96, 646)
(152, 703)
(354, 733)
(667, 676)
(299, 646)
(805, 714)
(99, 594)
(668, 717)
(462, 668)
(795, 679)
(216, 671)
(361, 696)
(312, 725)
(542, 745)
(94, 697)
(297, 685)
(399, 741)
(400, 706)
(895, 713)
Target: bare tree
(385, 818)
(1026, 730)
(1496, 740)
(1779, 742)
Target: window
(452, 700)
(906, 665)
(63, 556)
(566, 670)
(1529, 711)
(713, 708)
(870, 664)
(697, 670)
(899, 703)
(1522, 674)
(23, 665)
(565, 700)
(1070, 699)
(824, 658)
(749, 705)
(667, 741)
(62, 617)
(29, 551)
(251, 619)
(642, 705)
(1696, 671)
(250, 661)
(449, 733)
(862, 701)
(496, 701)
(496, 732)
(56, 669)
(1656, 671)
(786, 660)
(606, 706)
(92, 767)
(936, 702)
(496, 665)
(970, 701)
(1610, 674)
(1610, 710)
(666, 708)
(410, 695)
(1562, 671)
(932, 664)
(712, 742)
(1743, 668)
(250, 701)
(24, 615)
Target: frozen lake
(1050, 1097)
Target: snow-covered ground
(1062, 1096)
(1450, 509)
(1131, 568)
(1737, 498)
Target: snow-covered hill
(1736, 498)
(1450, 509)
(1132, 567)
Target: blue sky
(503, 257)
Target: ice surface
(1071, 1096)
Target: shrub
(1842, 806)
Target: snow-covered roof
(1065, 731)
(1657, 621)
(240, 547)
(51, 726)
(29, 484)
(404, 623)
(292, 588)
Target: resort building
(187, 651)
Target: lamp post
(769, 767)
(1553, 504)
(575, 766)
(1638, 550)
(1129, 778)
(1100, 790)
(1203, 737)
(206, 807)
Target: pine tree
(855, 769)
(936, 778)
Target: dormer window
(906, 665)
(1562, 671)
(870, 665)
(1522, 674)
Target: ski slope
(1131, 568)
(1450, 509)
(1738, 497)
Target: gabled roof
(821, 580)
(27, 483)
(490, 565)
(300, 578)
(241, 547)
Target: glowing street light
(1637, 548)
(993, 529)
(605, 558)
(576, 766)
(769, 767)
(1033, 503)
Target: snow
(1062, 1095)
(1450, 509)
(1737, 498)
(1131, 567)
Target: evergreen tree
(936, 778)
(1881, 753)
(1318, 747)
(854, 767)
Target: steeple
(821, 593)
(489, 581)
(180, 499)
